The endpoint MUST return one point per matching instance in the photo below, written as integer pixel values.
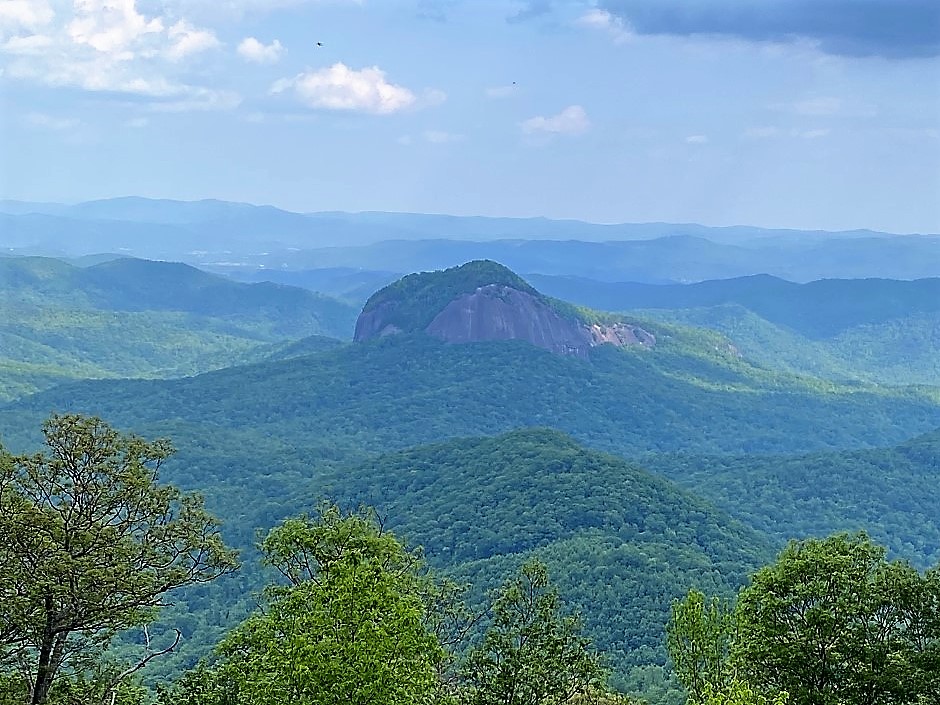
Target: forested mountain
(690, 391)
(137, 318)
(876, 330)
(620, 542)
(889, 492)
(406, 421)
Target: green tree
(698, 637)
(737, 692)
(90, 544)
(350, 625)
(531, 653)
(832, 621)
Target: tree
(350, 625)
(91, 543)
(531, 653)
(698, 637)
(832, 621)
(737, 692)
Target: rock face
(373, 324)
(502, 312)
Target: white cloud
(31, 45)
(16, 15)
(697, 139)
(572, 120)
(187, 40)
(342, 88)
(108, 46)
(602, 20)
(111, 27)
(251, 49)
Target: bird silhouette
(319, 44)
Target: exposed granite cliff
(483, 301)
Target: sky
(778, 113)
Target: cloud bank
(107, 46)
(895, 29)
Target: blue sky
(780, 113)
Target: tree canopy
(90, 543)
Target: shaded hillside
(687, 393)
(893, 493)
(818, 309)
(621, 543)
(874, 330)
(137, 318)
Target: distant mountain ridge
(871, 330)
(235, 237)
(484, 301)
(819, 309)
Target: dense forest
(471, 524)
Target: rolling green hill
(893, 493)
(621, 543)
(137, 318)
(318, 418)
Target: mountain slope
(873, 330)
(135, 318)
(620, 542)
(890, 492)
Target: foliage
(737, 692)
(832, 621)
(413, 301)
(531, 652)
(406, 390)
(889, 492)
(612, 534)
(350, 625)
(698, 637)
(90, 543)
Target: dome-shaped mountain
(483, 300)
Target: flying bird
(319, 44)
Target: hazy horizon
(615, 111)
